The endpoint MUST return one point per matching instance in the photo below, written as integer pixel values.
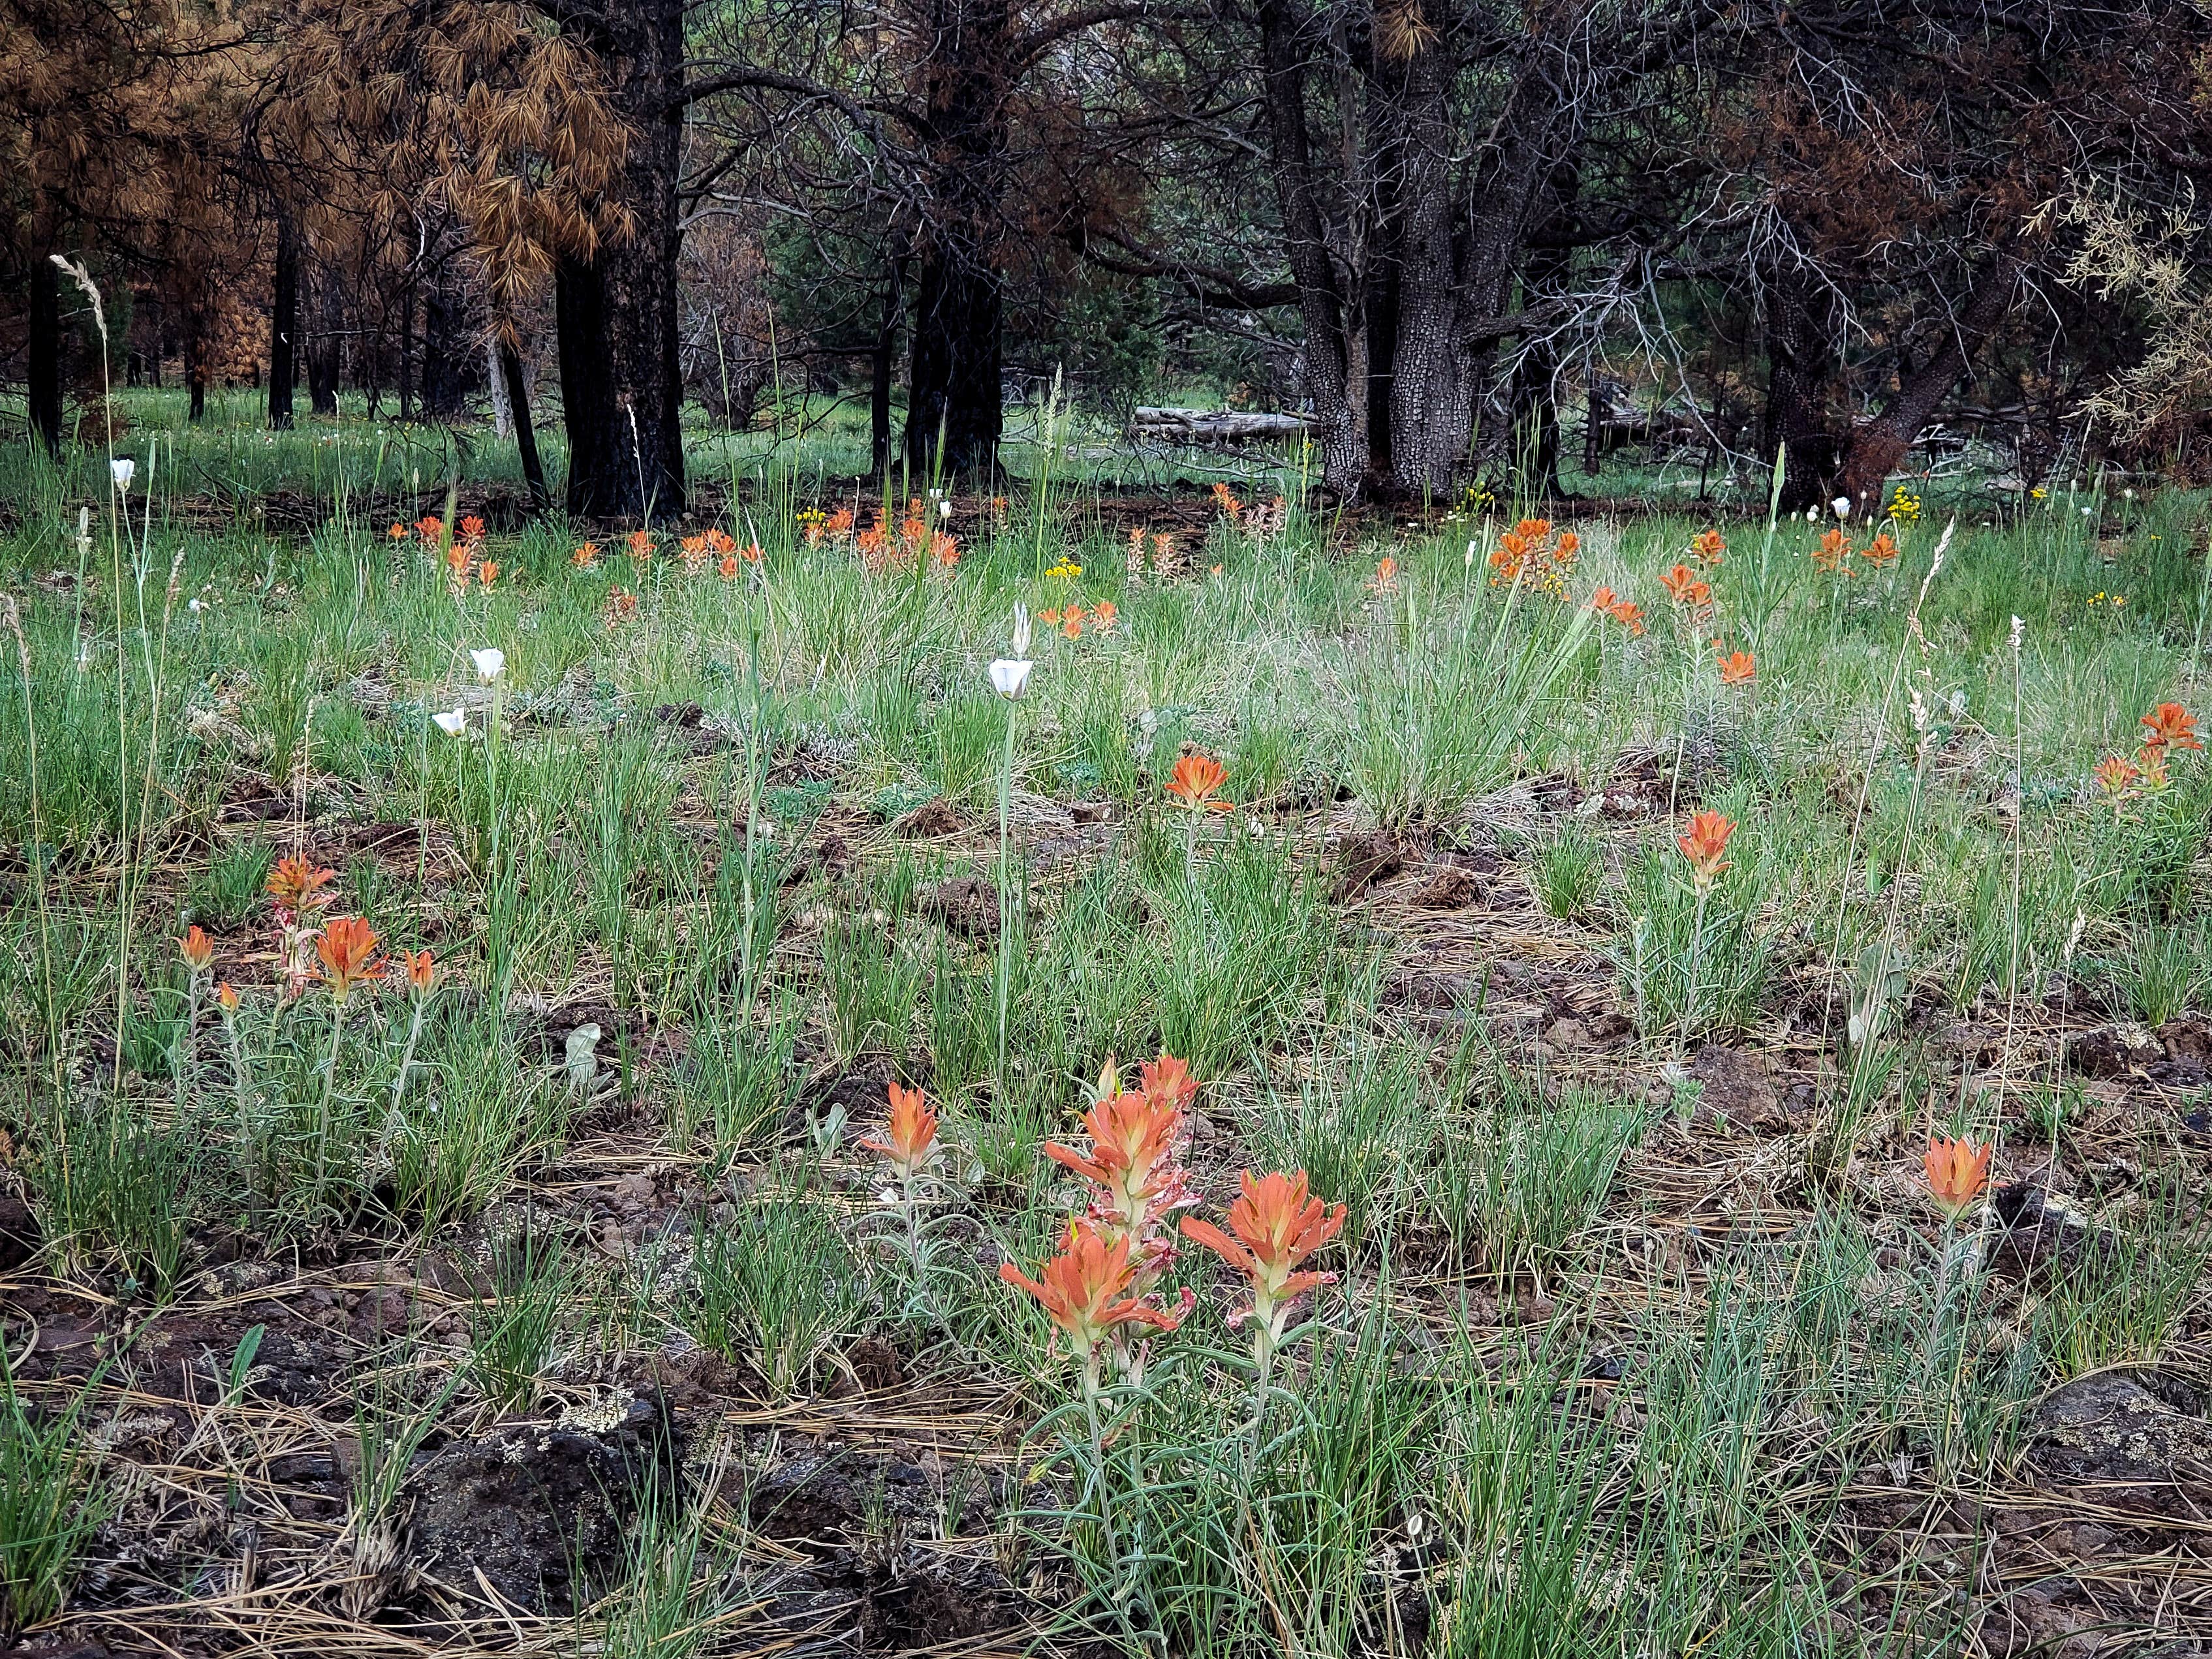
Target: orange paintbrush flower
(728, 567)
(911, 1140)
(347, 950)
(1071, 621)
(297, 884)
(1704, 843)
(585, 557)
(2171, 726)
(641, 543)
(1957, 1172)
(226, 999)
(1706, 546)
(196, 948)
(1683, 587)
(430, 529)
(1135, 1160)
(1630, 617)
(1737, 666)
(1103, 615)
(1167, 1081)
(2116, 775)
(488, 572)
(1195, 779)
(421, 970)
(399, 533)
(472, 527)
(1833, 553)
(1085, 1291)
(1882, 552)
(1277, 1226)
(1385, 580)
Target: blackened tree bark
(1284, 58)
(283, 326)
(1431, 399)
(196, 350)
(622, 387)
(1879, 445)
(445, 365)
(954, 387)
(406, 382)
(886, 352)
(322, 342)
(525, 434)
(1800, 356)
(45, 370)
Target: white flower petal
(1010, 677)
(491, 662)
(452, 722)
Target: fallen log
(1215, 426)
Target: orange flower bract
(196, 948)
(1195, 779)
(1135, 1159)
(347, 950)
(1704, 843)
(1277, 1225)
(295, 883)
(1737, 667)
(2171, 727)
(1085, 1290)
(1957, 1172)
(911, 1141)
(421, 970)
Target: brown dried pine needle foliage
(114, 109)
(481, 109)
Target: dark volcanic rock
(2112, 1431)
(529, 1505)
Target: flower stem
(1006, 893)
(330, 1093)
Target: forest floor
(564, 1301)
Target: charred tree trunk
(405, 385)
(1283, 60)
(196, 354)
(1879, 445)
(953, 397)
(1431, 404)
(879, 386)
(44, 371)
(622, 386)
(1535, 400)
(525, 433)
(443, 371)
(1800, 350)
(322, 342)
(1383, 270)
(284, 326)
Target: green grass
(1599, 1375)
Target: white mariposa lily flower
(452, 722)
(491, 663)
(1010, 677)
(120, 469)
